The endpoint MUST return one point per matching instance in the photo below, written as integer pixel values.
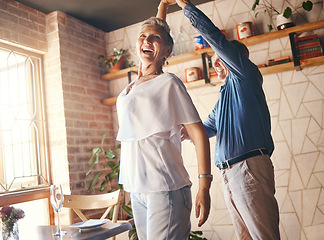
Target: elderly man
(240, 121)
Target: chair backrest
(84, 202)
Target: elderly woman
(151, 111)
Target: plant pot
(118, 65)
(283, 23)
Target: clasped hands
(181, 3)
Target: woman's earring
(165, 61)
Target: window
(23, 152)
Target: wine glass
(57, 200)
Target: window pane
(22, 124)
(36, 213)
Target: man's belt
(232, 161)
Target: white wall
(295, 101)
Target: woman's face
(151, 45)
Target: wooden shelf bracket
(129, 75)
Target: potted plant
(9, 217)
(196, 235)
(114, 62)
(111, 172)
(283, 19)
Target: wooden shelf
(248, 42)
(110, 101)
(282, 33)
(201, 83)
(310, 62)
(171, 60)
(119, 74)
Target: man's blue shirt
(240, 119)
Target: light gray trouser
(162, 215)
(249, 194)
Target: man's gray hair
(163, 25)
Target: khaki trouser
(249, 194)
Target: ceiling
(107, 15)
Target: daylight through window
(23, 157)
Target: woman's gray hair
(163, 25)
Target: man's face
(220, 68)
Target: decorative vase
(10, 231)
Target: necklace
(157, 72)
(144, 78)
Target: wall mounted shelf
(201, 83)
(282, 33)
(310, 62)
(248, 42)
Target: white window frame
(37, 175)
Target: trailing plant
(306, 5)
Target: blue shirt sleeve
(234, 60)
(209, 125)
(241, 118)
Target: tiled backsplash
(295, 101)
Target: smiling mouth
(144, 50)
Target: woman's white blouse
(150, 117)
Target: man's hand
(182, 3)
(202, 207)
(184, 134)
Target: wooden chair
(86, 202)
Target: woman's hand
(169, 2)
(198, 135)
(202, 206)
(163, 8)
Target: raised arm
(230, 55)
(198, 135)
(163, 8)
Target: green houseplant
(196, 235)
(110, 173)
(114, 62)
(306, 5)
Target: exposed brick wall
(22, 25)
(86, 117)
(76, 118)
(55, 105)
